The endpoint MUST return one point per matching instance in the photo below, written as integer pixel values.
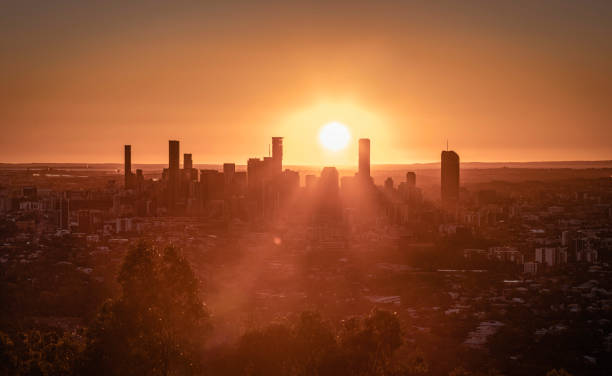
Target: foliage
(159, 324)
(310, 346)
(560, 372)
(38, 353)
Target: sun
(334, 136)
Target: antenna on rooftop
(447, 144)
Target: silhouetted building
(139, 179)
(449, 178)
(239, 182)
(389, 184)
(268, 169)
(328, 195)
(64, 213)
(190, 174)
(364, 157)
(411, 179)
(212, 184)
(255, 174)
(310, 181)
(255, 180)
(277, 155)
(127, 158)
(229, 169)
(187, 162)
(173, 174)
(291, 179)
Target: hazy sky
(502, 80)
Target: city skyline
(294, 188)
(502, 82)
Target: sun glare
(334, 136)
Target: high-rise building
(187, 162)
(229, 169)
(327, 200)
(127, 158)
(239, 182)
(173, 173)
(411, 179)
(389, 184)
(310, 181)
(190, 174)
(64, 213)
(449, 178)
(277, 154)
(364, 158)
(212, 185)
(139, 179)
(254, 173)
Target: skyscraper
(173, 173)
(212, 185)
(229, 169)
(327, 199)
(127, 158)
(329, 180)
(277, 154)
(411, 179)
(449, 178)
(364, 158)
(187, 162)
(139, 179)
(189, 174)
(64, 213)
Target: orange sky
(503, 81)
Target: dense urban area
(255, 269)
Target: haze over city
(288, 188)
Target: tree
(310, 346)
(157, 326)
(369, 344)
(460, 371)
(560, 372)
(8, 360)
(38, 353)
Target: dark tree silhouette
(159, 324)
(310, 346)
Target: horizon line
(316, 164)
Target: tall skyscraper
(187, 162)
(127, 158)
(173, 155)
(173, 173)
(449, 178)
(277, 154)
(364, 158)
